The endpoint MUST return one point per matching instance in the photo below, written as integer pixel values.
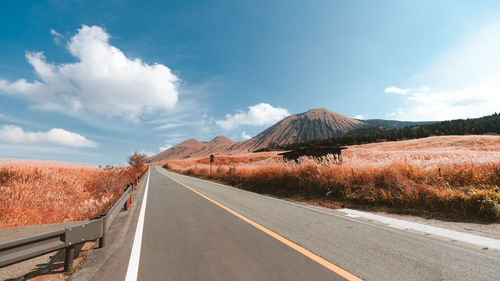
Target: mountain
(476, 126)
(314, 124)
(392, 124)
(182, 150)
(215, 146)
(193, 148)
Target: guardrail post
(102, 240)
(68, 258)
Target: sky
(93, 81)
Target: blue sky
(88, 81)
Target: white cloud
(464, 80)
(257, 115)
(147, 153)
(454, 104)
(55, 33)
(16, 135)
(169, 126)
(163, 148)
(395, 113)
(245, 136)
(359, 116)
(57, 36)
(103, 80)
(396, 90)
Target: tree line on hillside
(477, 126)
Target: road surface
(196, 230)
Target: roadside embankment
(454, 177)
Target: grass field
(36, 192)
(456, 177)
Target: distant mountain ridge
(473, 126)
(393, 124)
(315, 124)
(181, 150)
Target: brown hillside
(314, 124)
(215, 146)
(182, 150)
(194, 148)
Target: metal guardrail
(69, 237)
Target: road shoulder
(123, 226)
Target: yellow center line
(280, 238)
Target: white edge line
(135, 255)
(455, 235)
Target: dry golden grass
(454, 176)
(36, 192)
(427, 152)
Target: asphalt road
(197, 230)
